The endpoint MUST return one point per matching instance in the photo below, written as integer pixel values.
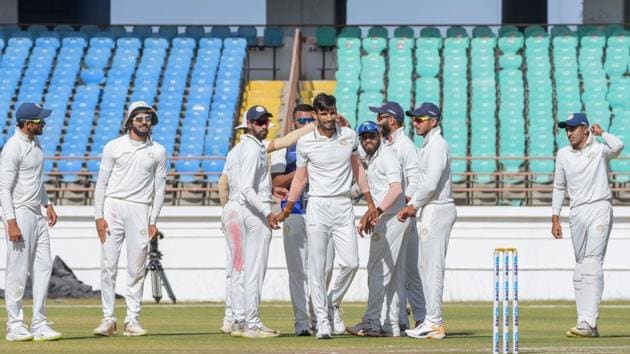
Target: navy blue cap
(574, 120)
(426, 109)
(31, 111)
(257, 112)
(390, 108)
(368, 127)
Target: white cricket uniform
(386, 242)
(329, 214)
(584, 175)
(295, 247)
(22, 195)
(255, 204)
(434, 199)
(129, 194)
(409, 283)
(231, 224)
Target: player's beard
(385, 129)
(141, 133)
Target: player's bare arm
(297, 186)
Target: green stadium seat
(427, 63)
(595, 39)
(561, 30)
(432, 43)
(483, 45)
(619, 40)
(349, 45)
(564, 41)
(403, 32)
(457, 43)
(612, 29)
(585, 30)
(374, 45)
(456, 32)
(510, 61)
(378, 31)
(617, 60)
(507, 29)
(511, 42)
(482, 32)
(350, 32)
(430, 32)
(400, 46)
(325, 36)
(534, 30)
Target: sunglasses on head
(142, 119)
(304, 121)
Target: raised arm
(290, 139)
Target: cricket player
(283, 165)
(434, 200)
(328, 158)
(22, 195)
(257, 221)
(385, 176)
(128, 198)
(391, 120)
(581, 170)
(231, 223)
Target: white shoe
(260, 332)
(236, 330)
(338, 326)
(323, 332)
(18, 334)
(45, 333)
(427, 330)
(106, 328)
(226, 327)
(133, 329)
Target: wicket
(508, 278)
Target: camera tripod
(158, 276)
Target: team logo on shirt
(150, 155)
(601, 227)
(591, 155)
(375, 236)
(286, 229)
(143, 232)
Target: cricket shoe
(18, 334)
(427, 330)
(334, 314)
(45, 333)
(583, 330)
(133, 329)
(226, 327)
(365, 329)
(106, 328)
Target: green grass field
(193, 327)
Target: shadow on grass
(147, 336)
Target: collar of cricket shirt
(261, 143)
(395, 135)
(589, 142)
(433, 132)
(335, 135)
(20, 134)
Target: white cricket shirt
(129, 171)
(584, 173)
(231, 170)
(384, 169)
(21, 172)
(327, 161)
(408, 155)
(254, 182)
(434, 182)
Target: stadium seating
(509, 87)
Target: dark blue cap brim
(563, 125)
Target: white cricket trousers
(435, 225)
(126, 221)
(29, 255)
(383, 266)
(249, 265)
(231, 224)
(591, 225)
(330, 219)
(410, 283)
(295, 251)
